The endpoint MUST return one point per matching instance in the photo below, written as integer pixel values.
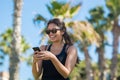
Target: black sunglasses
(53, 31)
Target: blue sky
(31, 33)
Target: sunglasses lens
(53, 31)
(47, 31)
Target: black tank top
(49, 71)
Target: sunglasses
(53, 31)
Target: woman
(57, 60)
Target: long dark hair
(61, 24)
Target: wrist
(34, 61)
(52, 57)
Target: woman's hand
(35, 55)
(44, 55)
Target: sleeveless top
(49, 70)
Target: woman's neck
(58, 44)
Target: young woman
(57, 60)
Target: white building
(4, 76)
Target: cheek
(59, 34)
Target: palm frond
(39, 18)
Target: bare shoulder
(72, 49)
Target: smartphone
(36, 49)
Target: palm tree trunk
(16, 42)
(101, 60)
(89, 71)
(114, 59)
(101, 63)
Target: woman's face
(54, 32)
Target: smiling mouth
(52, 36)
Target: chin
(52, 40)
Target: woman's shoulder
(70, 48)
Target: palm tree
(6, 47)
(113, 19)
(16, 41)
(99, 22)
(85, 36)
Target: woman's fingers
(42, 55)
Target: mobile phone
(36, 49)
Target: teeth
(52, 36)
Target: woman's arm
(37, 64)
(69, 64)
(37, 69)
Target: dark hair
(61, 24)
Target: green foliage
(98, 20)
(85, 33)
(74, 10)
(100, 24)
(25, 46)
(38, 18)
(118, 66)
(79, 71)
(114, 8)
(54, 8)
(6, 40)
(62, 10)
(97, 13)
(5, 43)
